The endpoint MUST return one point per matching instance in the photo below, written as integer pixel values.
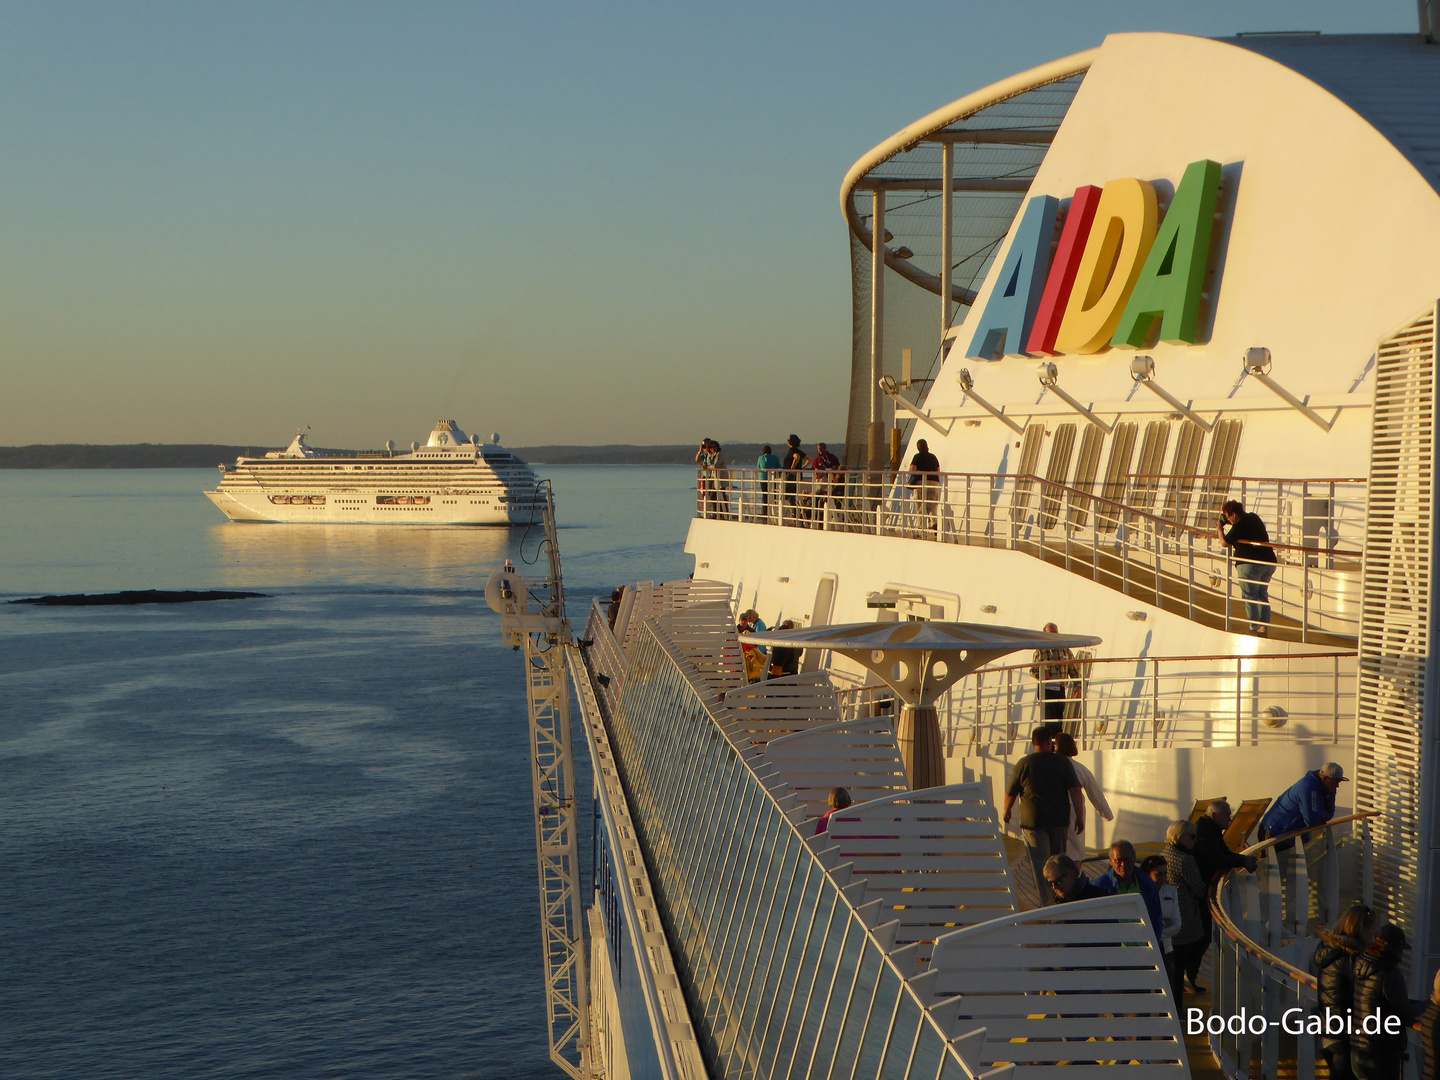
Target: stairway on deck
(1136, 577)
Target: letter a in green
(1169, 286)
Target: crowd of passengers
(788, 496)
(796, 488)
(1357, 962)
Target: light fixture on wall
(1049, 376)
(967, 384)
(891, 389)
(1142, 370)
(1257, 365)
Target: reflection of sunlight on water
(261, 555)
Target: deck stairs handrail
(1134, 702)
(1141, 545)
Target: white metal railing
(1147, 701)
(1143, 541)
(1262, 931)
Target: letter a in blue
(1004, 326)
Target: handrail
(681, 1041)
(1273, 841)
(988, 669)
(1253, 479)
(1237, 935)
(841, 474)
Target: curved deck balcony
(1151, 537)
(1265, 931)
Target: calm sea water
(286, 837)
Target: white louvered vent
(1396, 696)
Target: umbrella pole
(918, 734)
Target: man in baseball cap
(1308, 804)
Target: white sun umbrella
(920, 661)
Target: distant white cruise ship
(452, 480)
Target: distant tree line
(209, 455)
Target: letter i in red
(1062, 271)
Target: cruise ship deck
(1116, 295)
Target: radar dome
(414, 446)
(390, 445)
(495, 437)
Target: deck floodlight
(1257, 366)
(967, 384)
(1142, 370)
(891, 389)
(1049, 376)
(1257, 360)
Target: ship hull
(366, 509)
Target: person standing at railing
(1191, 890)
(1066, 748)
(1211, 851)
(827, 470)
(1045, 782)
(1334, 968)
(765, 464)
(1054, 669)
(1255, 561)
(1306, 804)
(925, 477)
(793, 465)
(709, 459)
(1380, 994)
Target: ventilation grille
(1395, 624)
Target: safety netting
(997, 150)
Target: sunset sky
(572, 223)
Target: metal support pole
(1239, 679)
(1335, 702)
(1190, 556)
(1229, 564)
(1154, 704)
(947, 233)
(1305, 601)
(875, 457)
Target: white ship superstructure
(1112, 293)
(454, 479)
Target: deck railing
(1263, 925)
(1137, 702)
(1153, 538)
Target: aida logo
(1119, 275)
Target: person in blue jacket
(765, 464)
(1307, 804)
(1124, 877)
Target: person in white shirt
(1170, 908)
(1075, 842)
